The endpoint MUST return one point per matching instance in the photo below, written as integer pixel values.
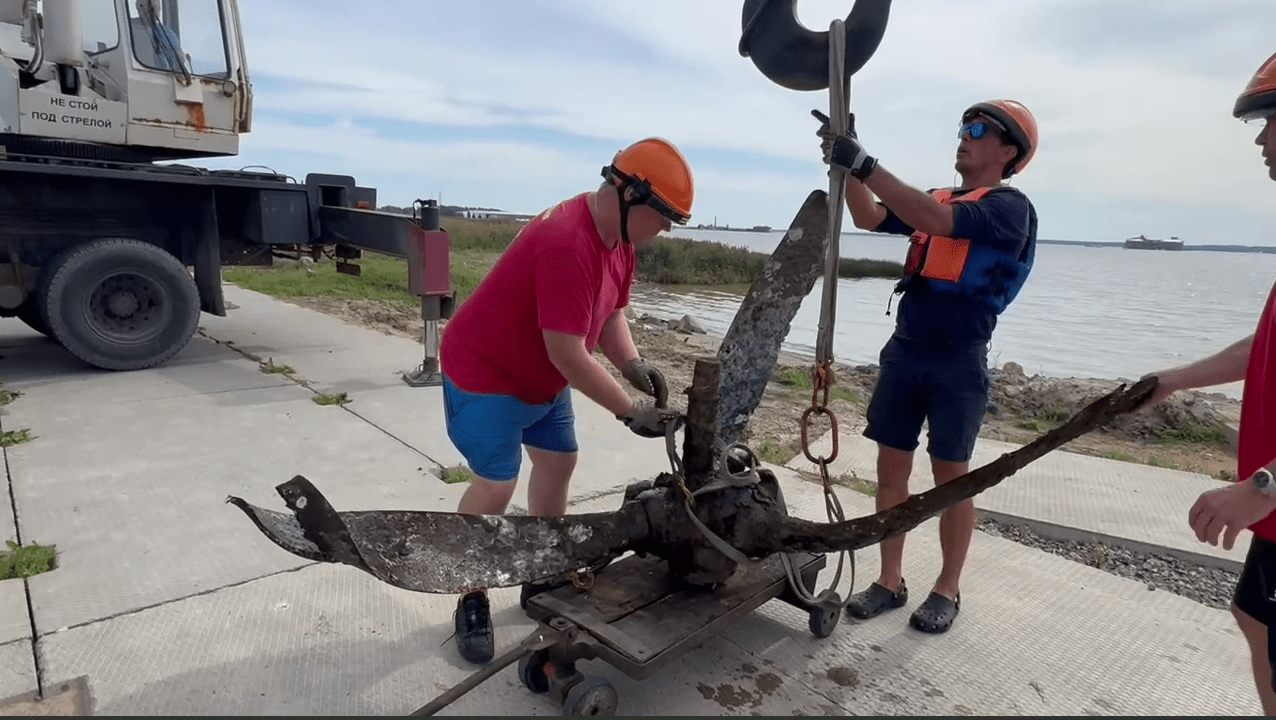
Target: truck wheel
(120, 304)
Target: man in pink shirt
(526, 337)
(1251, 502)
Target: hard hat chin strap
(610, 172)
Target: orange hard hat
(1259, 97)
(659, 176)
(1019, 125)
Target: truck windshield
(181, 36)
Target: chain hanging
(822, 372)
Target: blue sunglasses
(977, 129)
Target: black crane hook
(796, 58)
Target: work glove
(647, 380)
(649, 421)
(844, 151)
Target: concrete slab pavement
(1069, 496)
(367, 365)
(1038, 635)
(171, 602)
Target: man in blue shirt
(970, 250)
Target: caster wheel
(824, 619)
(531, 670)
(591, 696)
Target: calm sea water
(1095, 312)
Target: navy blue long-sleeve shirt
(1004, 219)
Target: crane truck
(111, 243)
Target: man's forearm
(1227, 365)
(587, 375)
(915, 207)
(616, 342)
(865, 212)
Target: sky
(517, 104)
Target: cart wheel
(531, 670)
(823, 620)
(591, 696)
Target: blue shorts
(490, 430)
(947, 389)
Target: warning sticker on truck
(73, 118)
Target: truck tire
(120, 304)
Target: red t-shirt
(556, 275)
(1257, 445)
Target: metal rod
(538, 640)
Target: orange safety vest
(938, 257)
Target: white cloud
(1126, 126)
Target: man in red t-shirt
(1251, 502)
(526, 337)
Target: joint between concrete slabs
(152, 606)
(302, 382)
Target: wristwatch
(1264, 482)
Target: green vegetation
(270, 368)
(457, 475)
(800, 380)
(7, 396)
(858, 484)
(477, 244)
(338, 399)
(681, 261)
(778, 453)
(1192, 432)
(1118, 455)
(25, 560)
(9, 438)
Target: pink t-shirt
(556, 275)
(1257, 445)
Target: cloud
(1133, 97)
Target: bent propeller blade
(437, 552)
(802, 535)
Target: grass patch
(25, 560)
(1158, 461)
(1192, 433)
(777, 452)
(1118, 455)
(800, 380)
(475, 247)
(9, 438)
(327, 399)
(7, 396)
(858, 484)
(682, 261)
(270, 368)
(1033, 425)
(456, 475)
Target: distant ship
(1144, 243)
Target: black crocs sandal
(935, 615)
(875, 600)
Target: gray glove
(648, 421)
(647, 380)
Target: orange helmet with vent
(1259, 97)
(1019, 126)
(657, 175)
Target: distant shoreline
(1263, 249)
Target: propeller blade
(813, 537)
(437, 552)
